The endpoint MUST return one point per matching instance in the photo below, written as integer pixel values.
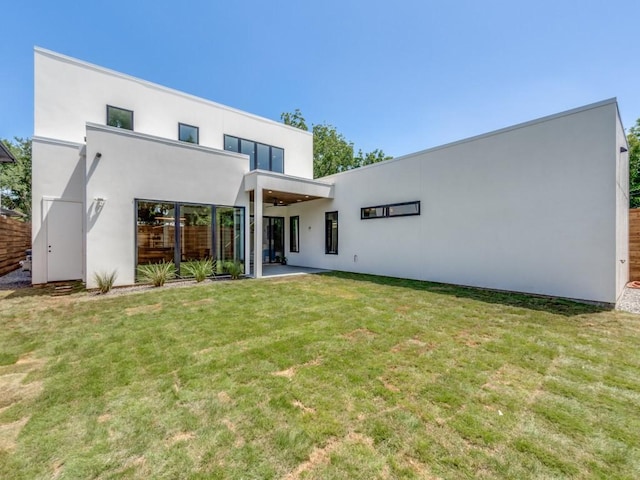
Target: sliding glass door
(196, 234)
(272, 239)
(184, 232)
(229, 235)
(156, 232)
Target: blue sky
(401, 76)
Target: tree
(332, 152)
(15, 178)
(372, 157)
(633, 138)
(295, 119)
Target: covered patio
(275, 270)
(278, 190)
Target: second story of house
(70, 93)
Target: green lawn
(317, 376)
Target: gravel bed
(630, 301)
(15, 279)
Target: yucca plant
(235, 269)
(105, 280)
(199, 269)
(157, 273)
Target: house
(127, 172)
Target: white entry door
(64, 241)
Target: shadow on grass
(558, 306)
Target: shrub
(199, 269)
(105, 280)
(157, 273)
(235, 269)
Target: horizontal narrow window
(188, 133)
(392, 210)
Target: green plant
(199, 269)
(157, 273)
(105, 280)
(235, 269)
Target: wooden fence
(634, 244)
(15, 238)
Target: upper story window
(188, 133)
(392, 210)
(261, 156)
(119, 117)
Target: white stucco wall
(134, 166)
(531, 208)
(57, 173)
(70, 93)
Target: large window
(188, 133)
(196, 234)
(156, 236)
(184, 232)
(261, 156)
(119, 117)
(294, 234)
(331, 233)
(392, 210)
(229, 233)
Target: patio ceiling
(281, 190)
(275, 198)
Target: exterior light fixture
(623, 150)
(98, 155)
(100, 201)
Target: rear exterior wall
(530, 208)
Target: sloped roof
(5, 154)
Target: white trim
(56, 142)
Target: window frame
(197, 142)
(254, 161)
(123, 110)
(178, 227)
(297, 234)
(328, 231)
(386, 210)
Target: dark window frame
(387, 213)
(123, 110)
(297, 234)
(177, 240)
(197, 142)
(327, 234)
(253, 166)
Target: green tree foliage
(633, 138)
(15, 178)
(295, 119)
(332, 152)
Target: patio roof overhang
(5, 154)
(281, 190)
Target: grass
(317, 376)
